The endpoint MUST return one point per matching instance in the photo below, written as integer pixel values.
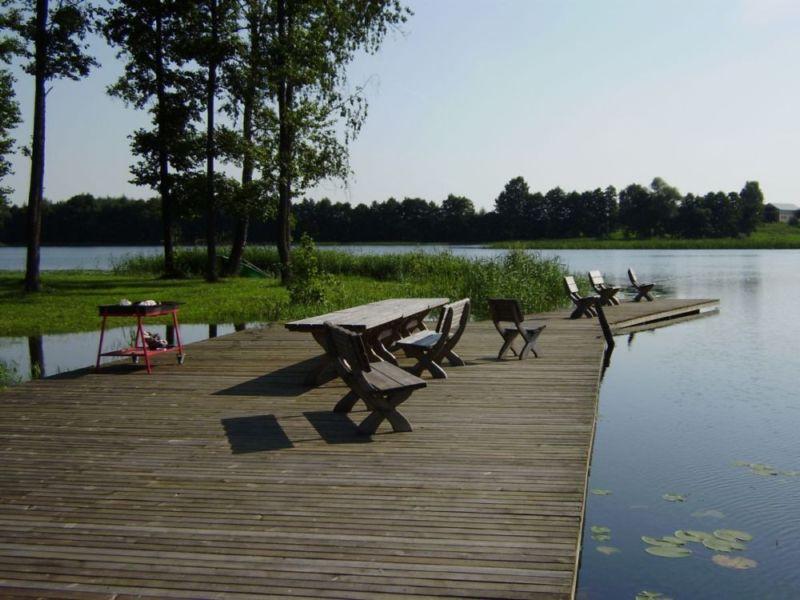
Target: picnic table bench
(380, 324)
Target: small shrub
(8, 375)
(309, 284)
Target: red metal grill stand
(139, 347)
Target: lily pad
(691, 535)
(668, 551)
(716, 514)
(673, 540)
(701, 535)
(742, 463)
(734, 562)
(674, 497)
(600, 529)
(790, 473)
(764, 470)
(608, 550)
(601, 537)
(656, 542)
(646, 595)
(600, 492)
(733, 535)
(718, 545)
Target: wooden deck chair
(584, 305)
(509, 322)
(642, 289)
(381, 385)
(607, 292)
(430, 348)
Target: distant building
(785, 211)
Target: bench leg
(507, 341)
(454, 359)
(425, 363)
(386, 409)
(346, 404)
(530, 346)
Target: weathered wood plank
(228, 478)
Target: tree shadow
(257, 433)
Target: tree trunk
(211, 209)
(167, 203)
(36, 189)
(285, 93)
(243, 221)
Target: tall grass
(534, 280)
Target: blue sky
(573, 93)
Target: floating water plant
(674, 497)
(600, 492)
(716, 514)
(673, 540)
(668, 551)
(600, 533)
(762, 469)
(733, 535)
(648, 595)
(608, 550)
(656, 542)
(734, 562)
(686, 536)
(600, 529)
(718, 544)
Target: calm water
(678, 406)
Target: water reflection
(41, 356)
(36, 357)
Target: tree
(9, 110)
(645, 213)
(313, 42)
(510, 207)
(771, 214)
(245, 79)
(214, 41)
(751, 207)
(151, 36)
(53, 41)
(457, 213)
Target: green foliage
(8, 375)
(535, 281)
(309, 284)
(771, 214)
(9, 118)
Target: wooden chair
(509, 322)
(430, 348)
(607, 292)
(642, 289)
(381, 385)
(584, 305)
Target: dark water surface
(678, 406)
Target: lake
(679, 406)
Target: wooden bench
(642, 289)
(584, 305)
(381, 323)
(430, 348)
(381, 385)
(509, 321)
(606, 292)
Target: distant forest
(518, 214)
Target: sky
(572, 93)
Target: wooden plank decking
(226, 478)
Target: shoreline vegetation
(768, 236)
(69, 299)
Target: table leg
(181, 355)
(140, 337)
(325, 370)
(100, 346)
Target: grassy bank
(69, 300)
(768, 236)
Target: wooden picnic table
(380, 323)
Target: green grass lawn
(767, 236)
(69, 300)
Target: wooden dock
(226, 478)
